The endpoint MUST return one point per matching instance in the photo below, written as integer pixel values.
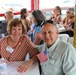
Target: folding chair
(64, 37)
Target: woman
(68, 21)
(56, 16)
(24, 15)
(15, 46)
(38, 18)
(69, 17)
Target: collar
(53, 47)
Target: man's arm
(69, 61)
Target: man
(8, 16)
(56, 57)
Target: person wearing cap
(68, 21)
(60, 58)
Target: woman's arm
(70, 22)
(58, 19)
(0, 48)
(52, 16)
(38, 38)
(33, 56)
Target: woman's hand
(69, 28)
(25, 66)
(8, 61)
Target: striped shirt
(25, 45)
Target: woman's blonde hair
(15, 22)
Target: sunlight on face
(49, 34)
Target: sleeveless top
(37, 29)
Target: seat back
(71, 39)
(64, 37)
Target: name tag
(9, 49)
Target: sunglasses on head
(48, 21)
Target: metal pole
(75, 29)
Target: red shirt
(25, 45)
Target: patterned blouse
(20, 50)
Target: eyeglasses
(48, 21)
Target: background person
(16, 45)
(56, 16)
(3, 25)
(23, 16)
(57, 57)
(68, 21)
(37, 18)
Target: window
(13, 5)
(44, 4)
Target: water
(48, 16)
